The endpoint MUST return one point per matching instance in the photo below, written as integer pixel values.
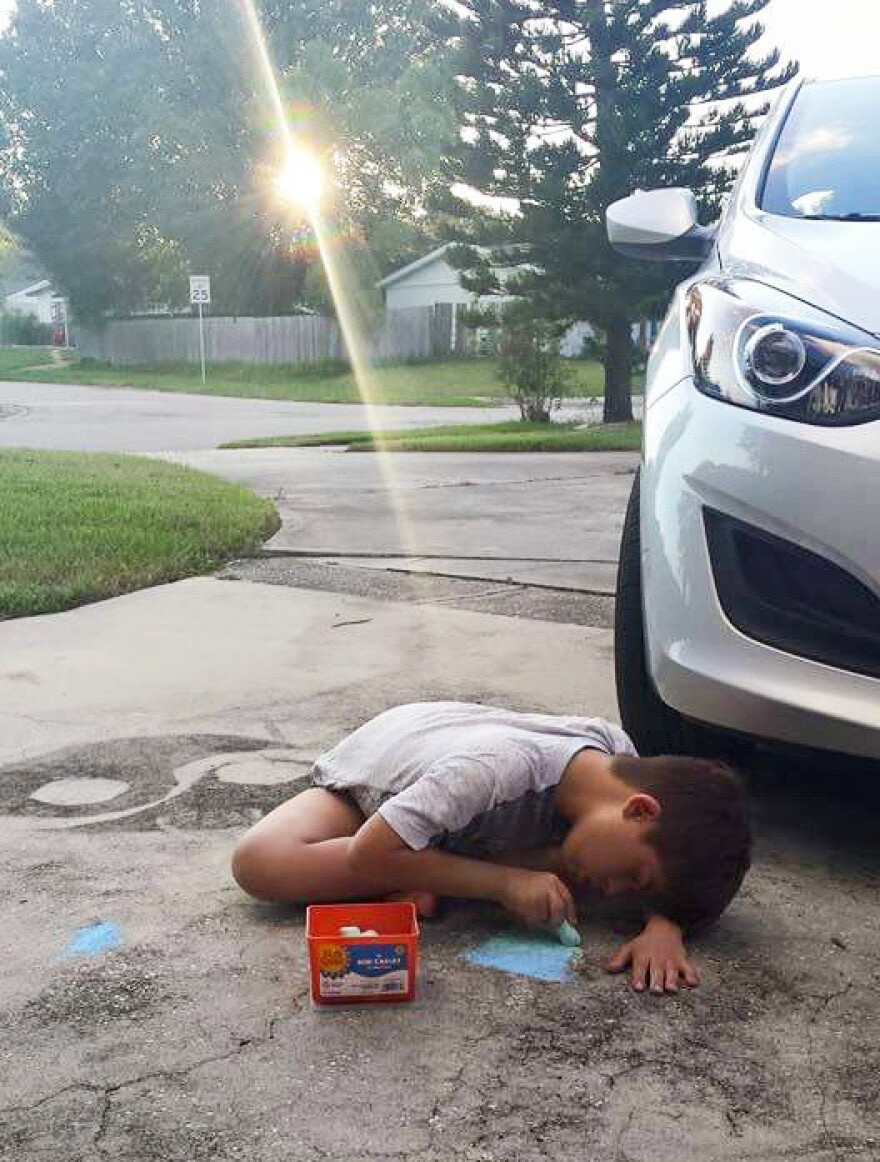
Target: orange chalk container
(348, 970)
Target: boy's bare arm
(538, 897)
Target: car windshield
(827, 160)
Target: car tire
(654, 727)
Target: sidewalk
(536, 518)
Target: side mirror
(660, 225)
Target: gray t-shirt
(478, 780)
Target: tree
(137, 142)
(17, 267)
(568, 107)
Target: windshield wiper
(855, 216)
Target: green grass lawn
(455, 383)
(17, 362)
(504, 437)
(77, 528)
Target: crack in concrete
(580, 481)
(268, 554)
(827, 1137)
(108, 1092)
(88, 1086)
(454, 1082)
(728, 1105)
(634, 1067)
(825, 999)
(619, 1154)
(483, 595)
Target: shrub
(24, 330)
(531, 366)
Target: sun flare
(300, 181)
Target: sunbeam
(299, 179)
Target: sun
(300, 180)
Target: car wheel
(654, 727)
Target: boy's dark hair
(703, 836)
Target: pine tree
(571, 104)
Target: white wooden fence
(411, 333)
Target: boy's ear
(642, 808)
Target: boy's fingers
(639, 972)
(555, 906)
(559, 904)
(691, 976)
(658, 975)
(568, 904)
(672, 978)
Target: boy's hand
(658, 957)
(537, 897)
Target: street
(108, 419)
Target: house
(432, 280)
(35, 300)
(41, 302)
(426, 282)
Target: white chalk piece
(369, 932)
(350, 930)
(567, 934)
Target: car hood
(832, 265)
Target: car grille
(788, 597)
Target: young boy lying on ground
(456, 799)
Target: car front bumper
(812, 487)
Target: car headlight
(759, 348)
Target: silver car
(749, 582)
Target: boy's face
(609, 851)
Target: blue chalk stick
(567, 934)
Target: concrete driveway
(548, 519)
(151, 1012)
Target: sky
(829, 37)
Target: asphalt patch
(503, 598)
(86, 996)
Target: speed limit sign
(200, 288)
(200, 295)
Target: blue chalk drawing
(93, 939)
(536, 955)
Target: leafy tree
(17, 267)
(570, 106)
(137, 143)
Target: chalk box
(347, 970)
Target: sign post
(200, 293)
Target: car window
(826, 163)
